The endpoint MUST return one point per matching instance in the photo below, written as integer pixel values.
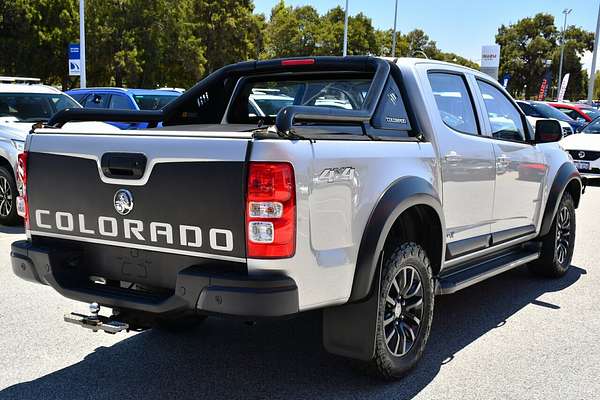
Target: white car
(21, 105)
(585, 150)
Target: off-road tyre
(407, 280)
(558, 244)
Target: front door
(520, 167)
(467, 164)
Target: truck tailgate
(188, 198)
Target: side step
(479, 270)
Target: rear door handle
(453, 157)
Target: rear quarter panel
(331, 216)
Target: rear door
(168, 194)
(467, 162)
(520, 166)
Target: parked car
(585, 150)
(582, 113)
(124, 99)
(367, 213)
(22, 105)
(535, 110)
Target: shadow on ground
(12, 229)
(226, 359)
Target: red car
(579, 112)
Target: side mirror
(548, 131)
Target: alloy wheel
(403, 311)
(563, 234)
(6, 197)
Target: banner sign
(505, 80)
(545, 85)
(74, 60)
(563, 88)
(490, 60)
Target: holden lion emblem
(581, 154)
(123, 201)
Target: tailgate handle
(123, 165)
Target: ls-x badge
(123, 201)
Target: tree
(292, 31)
(225, 30)
(331, 34)
(528, 43)
(577, 42)
(35, 37)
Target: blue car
(124, 99)
(538, 109)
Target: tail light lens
(271, 210)
(22, 204)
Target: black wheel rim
(403, 311)
(563, 235)
(6, 197)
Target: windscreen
(30, 107)
(153, 102)
(550, 112)
(591, 112)
(592, 127)
(262, 98)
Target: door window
(504, 117)
(454, 102)
(96, 101)
(120, 102)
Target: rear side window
(454, 102)
(504, 117)
(96, 101)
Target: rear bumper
(228, 294)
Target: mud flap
(350, 330)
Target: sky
(459, 26)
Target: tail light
(22, 204)
(271, 210)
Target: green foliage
(35, 35)
(528, 43)
(150, 43)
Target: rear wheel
(405, 311)
(8, 197)
(558, 244)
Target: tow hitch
(96, 322)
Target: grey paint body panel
(332, 216)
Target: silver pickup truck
(360, 186)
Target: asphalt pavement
(512, 337)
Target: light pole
(566, 11)
(593, 72)
(394, 33)
(346, 31)
(82, 78)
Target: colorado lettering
(132, 229)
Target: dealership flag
(563, 88)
